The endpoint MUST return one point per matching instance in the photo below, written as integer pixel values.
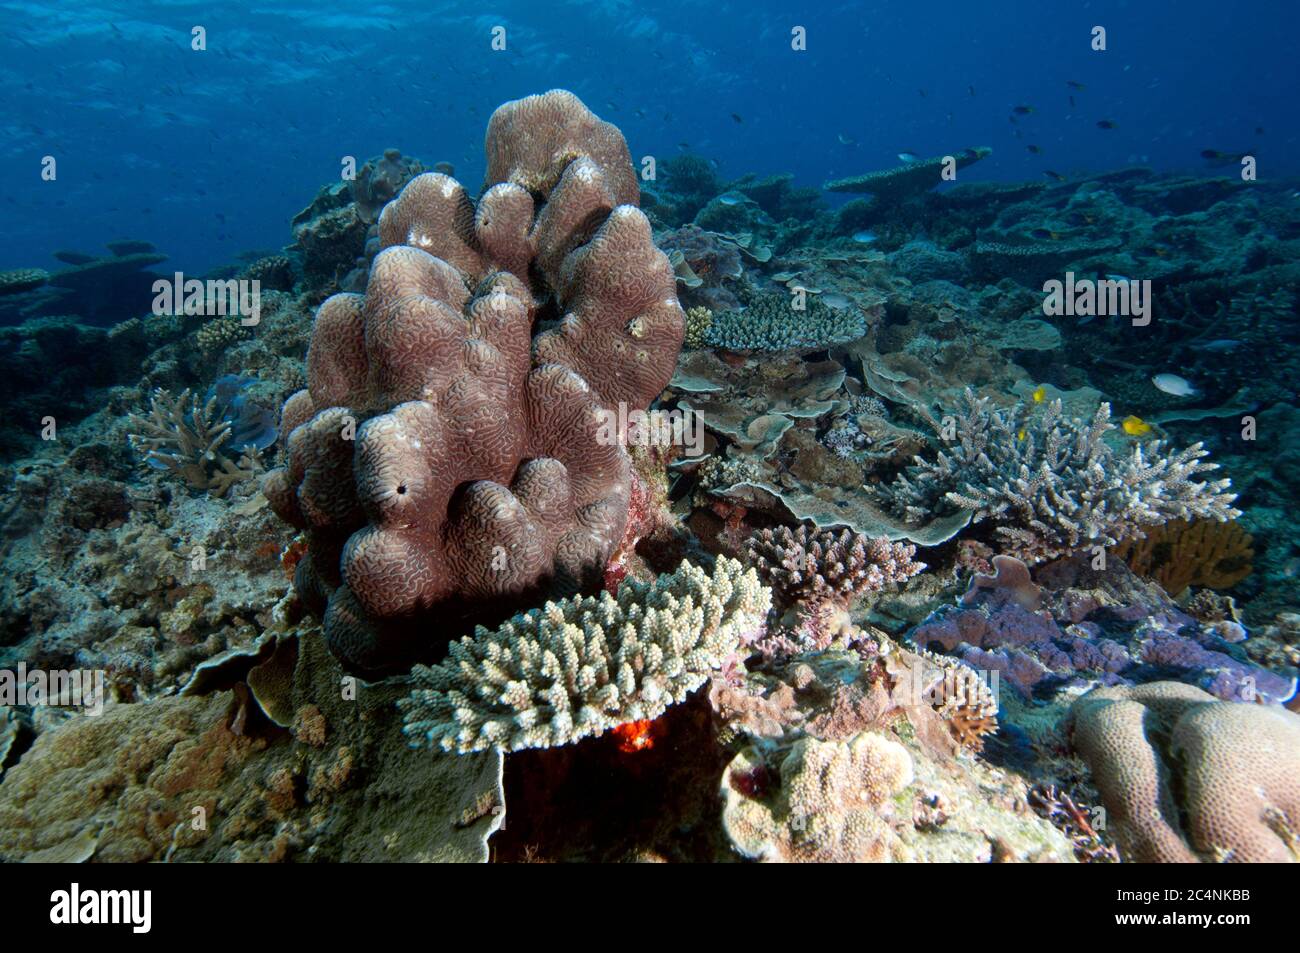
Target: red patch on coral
(636, 736)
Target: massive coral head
(445, 462)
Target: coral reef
(830, 806)
(432, 373)
(1052, 485)
(580, 667)
(1080, 624)
(814, 568)
(776, 322)
(1187, 777)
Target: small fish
(923, 93)
(835, 300)
(736, 117)
(1039, 394)
(971, 90)
(1034, 149)
(1073, 104)
(1021, 435)
(1105, 124)
(1023, 110)
(846, 140)
(1045, 234)
(1220, 346)
(864, 237)
(1175, 385)
(1054, 176)
(1216, 158)
(731, 198)
(1135, 426)
(908, 157)
(1259, 130)
(1075, 86)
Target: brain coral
(1186, 777)
(441, 455)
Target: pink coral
(479, 475)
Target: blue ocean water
(209, 153)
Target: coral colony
(671, 517)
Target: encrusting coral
(1187, 777)
(186, 438)
(1053, 485)
(832, 805)
(579, 667)
(482, 474)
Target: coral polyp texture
(480, 471)
(1186, 777)
(1051, 484)
(579, 667)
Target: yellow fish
(1021, 435)
(1040, 394)
(1136, 426)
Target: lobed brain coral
(444, 456)
(1186, 777)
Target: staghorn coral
(1186, 777)
(808, 565)
(185, 437)
(1180, 554)
(481, 470)
(1052, 485)
(770, 322)
(832, 805)
(582, 666)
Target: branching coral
(482, 472)
(772, 322)
(582, 666)
(186, 438)
(809, 565)
(1053, 485)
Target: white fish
(1173, 384)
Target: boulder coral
(1186, 777)
(481, 474)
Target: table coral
(580, 667)
(1187, 777)
(482, 470)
